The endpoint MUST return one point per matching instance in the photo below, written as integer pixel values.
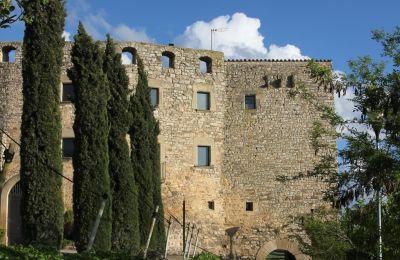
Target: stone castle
(228, 130)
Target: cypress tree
(145, 160)
(125, 225)
(42, 205)
(91, 127)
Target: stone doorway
(280, 255)
(14, 227)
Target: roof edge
(277, 60)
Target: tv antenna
(213, 30)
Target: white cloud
(67, 36)
(237, 36)
(97, 26)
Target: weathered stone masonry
(249, 148)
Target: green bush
(207, 256)
(28, 252)
(69, 225)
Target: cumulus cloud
(67, 36)
(97, 26)
(237, 36)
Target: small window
(250, 101)
(249, 206)
(168, 59)
(68, 147)
(9, 54)
(203, 101)
(205, 65)
(203, 156)
(128, 56)
(154, 97)
(68, 92)
(291, 81)
(211, 205)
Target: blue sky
(338, 30)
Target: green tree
(42, 205)
(91, 127)
(370, 162)
(8, 12)
(125, 227)
(145, 159)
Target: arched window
(168, 59)
(128, 55)
(8, 53)
(205, 64)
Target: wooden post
(190, 242)
(183, 226)
(97, 222)
(166, 242)
(151, 232)
(195, 243)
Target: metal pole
(151, 231)
(183, 226)
(190, 241)
(380, 224)
(195, 243)
(97, 222)
(187, 241)
(166, 242)
(211, 31)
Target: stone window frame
(208, 63)
(204, 88)
(132, 51)
(158, 96)
(64, 80)
(171, 56)
(67, 133)
(203, 140)
(161, 86)
(5, 54)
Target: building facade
(228, 131)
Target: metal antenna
(216, 30)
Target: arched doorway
(14, 231)
(280, 255)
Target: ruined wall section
(11, 99)
(264, 143)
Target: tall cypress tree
(42, 205)
(125, 225)
(145, 160)
(91, 127)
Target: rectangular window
(203, 156)
(68, 147)
(249, 206)
(250, 101)
(154, 97)
(68, 92)
(203, 101)
(211, 205)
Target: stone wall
(249, 148)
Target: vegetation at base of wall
(91, 127)
(125, 224)
(41, 204)
(68, 225)
(206, 256)
(145, 161)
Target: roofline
(277, 60)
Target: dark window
(291, 81)
(68, 147)
(9, 54)
(211, 205)
(168, 59)
(154, 97)
(203, 156)
(128, 55)
(249, 206)
(205, 65)
(250, 101)
(203, 101)
(68, 92)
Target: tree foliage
(125, 226)
(369, 163)
(42, 205)
(145, 160)
(91, 127)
